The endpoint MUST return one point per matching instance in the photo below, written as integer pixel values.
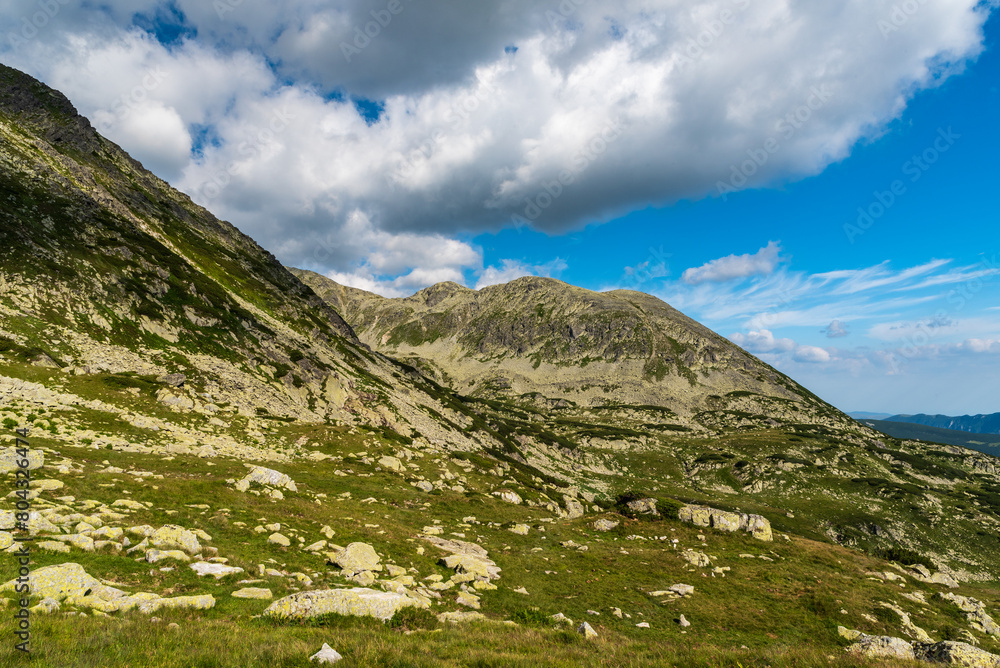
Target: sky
(809, 179)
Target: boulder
(509, 496)
(217, 570)
(263, 476)
(253, 592)
(63, 581)
(9, 459)
(755, 525)
(279, 539)
(605, 525)
(203, 602)
(392, 464)
(356, 558)
(955, 654)
(976, 613)
(356, 602)
(696, 558)
(574, 508)
(643, 506)
(520, 529)
(173, 537)
(882, 647)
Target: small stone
(326, 655)
(587, 631)
(684, 622)
(278, 539)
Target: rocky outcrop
(356, 602)
(703, 516)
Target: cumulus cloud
(811, 355)
(762, 341)
(835, 330)
(493, 113)
(761, 263)
(510, 270)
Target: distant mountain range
(975, 424)
(986, 443)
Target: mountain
(861, 415)
(542, 340)
(990, 444)
(251, 452)
(107, 271)
(976, 424)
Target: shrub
(531, 617)
(413, 619)
(9, 423)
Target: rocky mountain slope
(213, 444)
(541, 338)
(106, 269)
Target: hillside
(216, 453)
(542, 340)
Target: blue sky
(433, 147)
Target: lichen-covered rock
(279, 539)
(703, 516)
(391, 464)
(263, 476)
(643, 506)
(574, 508)
(216, 570)
(9, 460)
(956, 654)
(976, 613)
(173, 537)
(357, 557)
(357, 602)
(509, 496)
(605, 525)
(203, 602)
(520, 529)
(587, 631)
(64, 580)
(699, 559)
(156, 556)
(882, 647)
(254, 593)
(6, 540)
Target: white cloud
(762, 341)
(811, 355)
(613, 99)
(835, 330)
(731, 267)
(510, 270)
